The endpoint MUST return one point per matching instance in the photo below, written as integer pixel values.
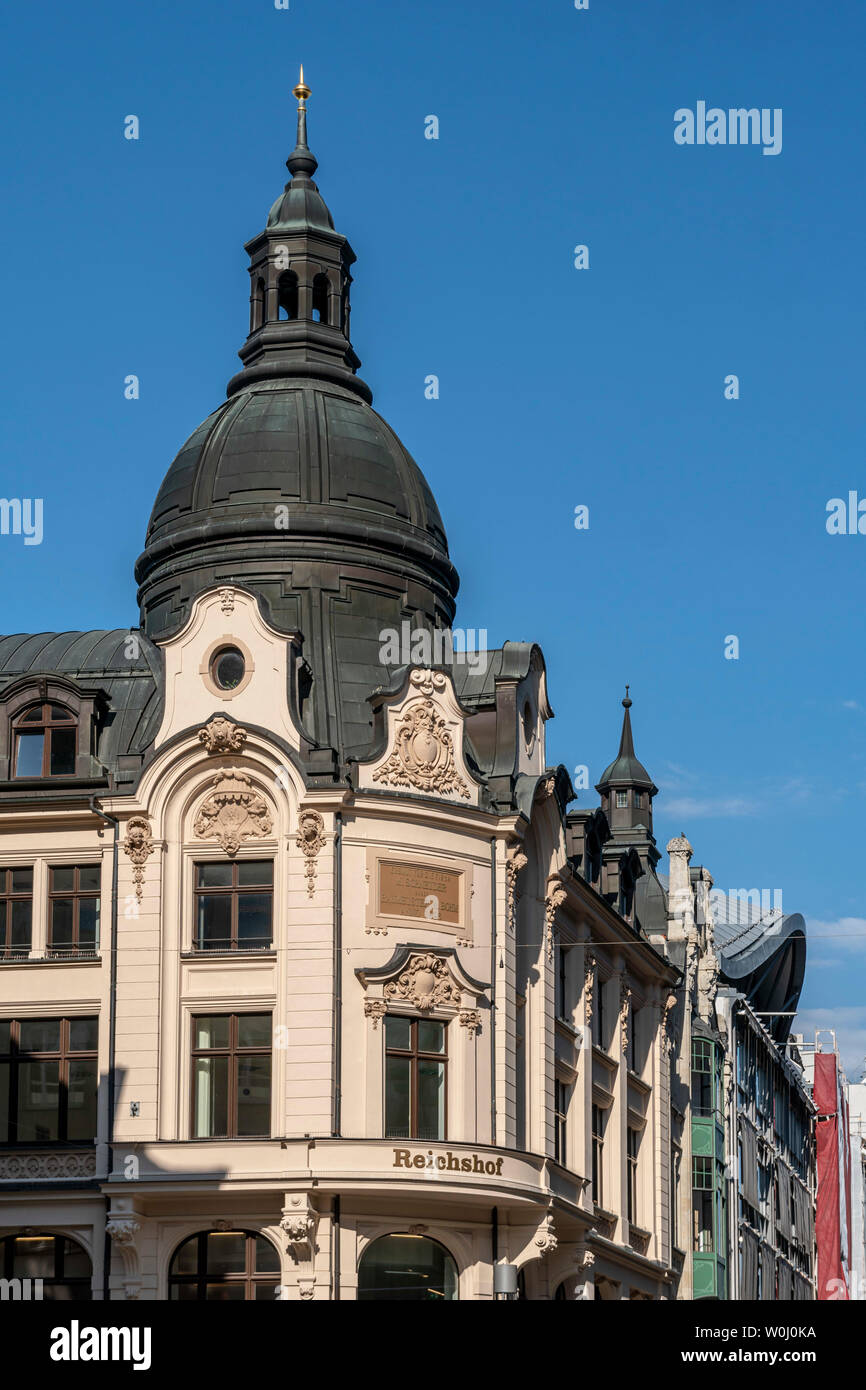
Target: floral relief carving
(233, 812)
(515, 860)
(374, 1009)
(221, 735)
(122, 1229)
(588, 984)
(310, 839)
(471, 1020)
(425, 983)
(625, 1013)
(555, 898)
(298, 1222)
(42, 1166)
(423, 754)
(138, 845)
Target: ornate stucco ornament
(588, 984)
(375, 1009)
(310, 840)
(298, 1222)
(122, 1229)
(546, 1241)
(423, 754)
(667, 1015)
(227, 600)
(233, 812)
(624, 1017)
(427, 681)
(138, 845)
(470, 1019)
(555, 898)
(425, 983)
(221, 735)
(21, 1167)
(515, 860)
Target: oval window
(227, 668)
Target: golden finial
(301, 91)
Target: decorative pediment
(233, 812)
(424, 740)
(423, 981)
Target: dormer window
(46, 742)
(621, 800)
(638, 801)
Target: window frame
(599, 1114)
(632, 1149)
(74, 950)
(234, 890)
(83, 1282)
(7, 897)
(63, 1056)
(232, 1052)
(249, 1279)
(561, 1102)
(46, 725)
(414, 1056)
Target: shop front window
(408, 1268)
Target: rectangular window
(676, 1162)
(702, 1077)
(599, 1023)
(73, 905)
(622, 800)
(599, 1118)
(16, 911)
(562, 1010)
(48, 1080)
(231, 1069)
(561, 1093)
(415, 1063)
(638, 801)
(632, 1146)
(234, 905)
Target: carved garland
(426, 984)
(625, 1011)
(555, 898)
(423, 754)
(515, 860)
(310, 840)
(234, 811)
(138, 845)
(588, 984)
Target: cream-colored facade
(396, 893)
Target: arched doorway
(62, 1264)
(224, 1266)
(409, 1268)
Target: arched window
(321, 287)
(62, 1265)
(224, 1267)
(287, 295)
(46, 742)
(407, 1268)
(260, 304)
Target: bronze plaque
(420, 891)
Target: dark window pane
(431, 1036)
(256, 871)
(186, 1258)
(397, 1097)
(28, 760)
(228, 668)
(62, 762)
(407, 1269)
(83, 1033)
(254, 919)
(210, 1100)
(76, 1261)
(226, 1252)
(217, 875)
(5, 1070)
(33, 1257)
(33, 716)
(22, 880)
(254, 1095)
(431, 1100)
(267, 1257)
(39, 1035)
(397, 1032)
(61, 921)
(22, 913)
(62, 880)
(265, 1293)
(38, 1101)
(81, 1113)
(254, 1030)
(225, 1293)
(58, 712)
(184, 1293)
(5, 1034)
(211, 1030)
(88, 922)
(89, 878)
(214, 929)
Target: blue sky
(559, 387)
